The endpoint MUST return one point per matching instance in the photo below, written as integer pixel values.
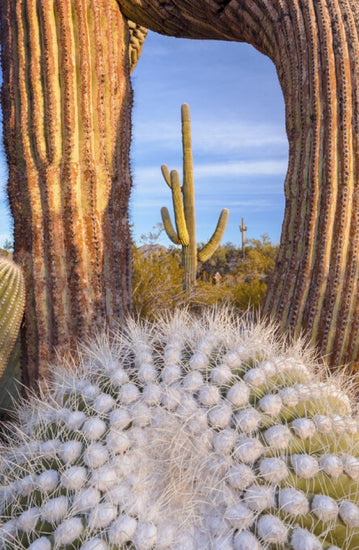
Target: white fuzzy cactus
(184, 435)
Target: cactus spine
(186, 434)
(66, 103)
(12, 305)
(184, 210)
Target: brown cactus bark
(314, 46)
(66, 102)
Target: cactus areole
(66, 103)
(184, 210)
(314, 46)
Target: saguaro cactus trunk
(314, 46)
(66, 103)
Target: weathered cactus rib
(137, 38)
(314, 46)
(66, 104)
(12, 305)
(184, 209)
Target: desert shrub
(248, 294)
(242, 282)
(157, 283)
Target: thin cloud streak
(150, 175)
(209, 137)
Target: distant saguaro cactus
(184, 210)
(243, 228)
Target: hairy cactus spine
(314, 46)
(66, 103)
(12, 305)
(206, 433)
(184, 210)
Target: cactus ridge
(12, 305)
(184, 210)
(137, 38)
(208, 433)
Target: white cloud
(210, 136)
(144, 176)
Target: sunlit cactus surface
(189, 435)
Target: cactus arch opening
(314, 46)
(240, 148)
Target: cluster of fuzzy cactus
(12, 305)
(184, 210)
(187, 434)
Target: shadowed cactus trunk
(66, 103)
(314, 46)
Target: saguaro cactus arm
(180, 235)
(314, 46)
(209, 249)
(12, 305)
(166, 175)
(167, 224)
(184, 209)
(178, 208)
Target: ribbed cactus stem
(184, 209)
(66, 103)
(12, 305)
(190, 255)
(189, 263)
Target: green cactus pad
(187, 434)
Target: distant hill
(152, 249)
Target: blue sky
(239, 144)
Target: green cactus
(243, 228)
(12, 305)
(184, 210)
(186, 434)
